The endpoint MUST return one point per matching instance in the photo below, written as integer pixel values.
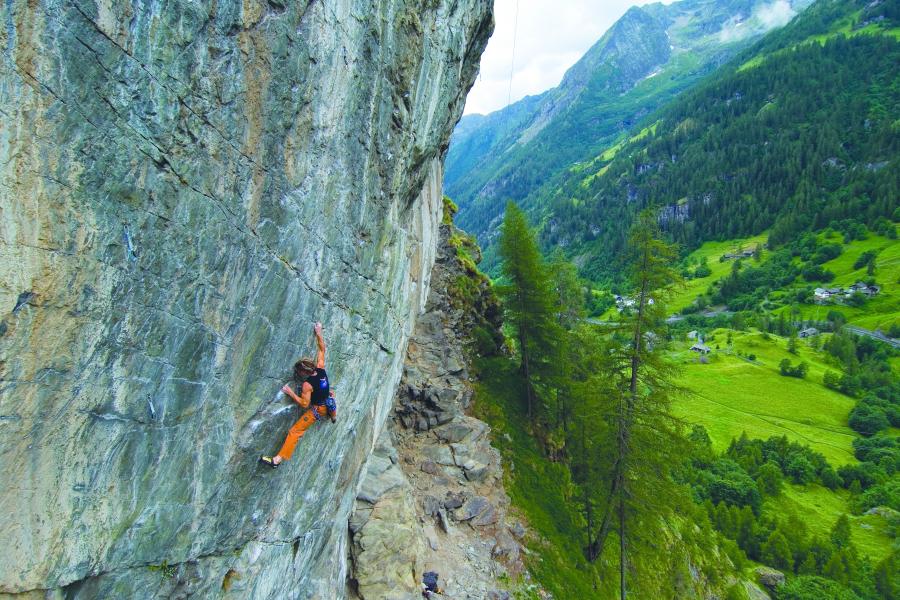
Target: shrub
(789, 370)
(831, 380)
(827, 252)
(864, 259)
(800, 470)
(873, 449)
(868, 420)
(814, 588)
(769, 478)
(816, 273)
(883, 494)
(731, 484)
(863, 475)
(702, 271)
(830, 478)
(856, 299)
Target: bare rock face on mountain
(186, 187)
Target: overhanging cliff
(186, 186)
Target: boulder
(474, 507)
(454, 500)
(453, 432)
(489, 516)
(769, 578)
(517, 529)
(440, 454)
(506, 546)
(431, 506)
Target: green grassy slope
(819, 508)
(732, 395)
(879, 312)
(711, 251)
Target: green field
(878, 312)
(731, 395)
(820, 507)
(711, 251)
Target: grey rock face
(388, 543)
(186, 187)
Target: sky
(551, 36)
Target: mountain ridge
(665, 49)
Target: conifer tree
(528, 302)
(647, 438)
(777, 552)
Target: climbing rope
(512, 62)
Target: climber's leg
(296, 432)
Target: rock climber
(315, 390)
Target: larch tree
(647, 440)
(529, 302)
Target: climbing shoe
(269, 460)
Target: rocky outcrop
(451, 473)
(769, 578)
(186, 186)
(388, 547)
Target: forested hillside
(799, 132)
(650, 55)
(730, 416)
(647, 468)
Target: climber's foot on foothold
(269, 460)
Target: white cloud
(766, 17)
(550, 38)
(777, 14)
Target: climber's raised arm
(320, 341)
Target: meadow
(732, 394)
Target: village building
(808, 332)
(701, 348)
(822, 295)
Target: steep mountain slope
(186, 187)
(648, 56)
(796, 133)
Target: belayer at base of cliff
(316, 399)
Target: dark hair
(303, 368)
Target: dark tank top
(320, 387)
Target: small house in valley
(701, 348)
(808, 332)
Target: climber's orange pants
(300, 427)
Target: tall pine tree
(647, 439)
(529, 303)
